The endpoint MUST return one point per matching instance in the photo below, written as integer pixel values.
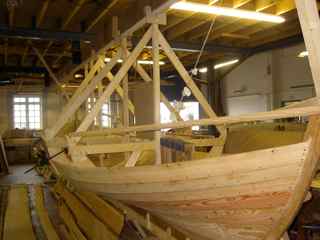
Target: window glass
(27, 112)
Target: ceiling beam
(38, 34)
(282, 43)
(40, 19)
(242, 24)
(67, 21)
(104, 12)
(180, 46)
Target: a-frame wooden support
(81, 95)
(116, 81)
(310, 25)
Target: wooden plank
(18, 223)
(262, 116)
(116, 81)
(310, 24)
(134, 158)
(4, 156)
(88, 223)
(104, 211)
(43, 215)
(113, 148)
(68, 219)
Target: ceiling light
(230, 12)
(149, 62)
(220, 65)
(143, 62)
(224, 64)
(78, 75)
(109, 60)
(203, 70)
(303, 54)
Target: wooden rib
(134, 158)
(135, 216)
(262, 116)
(114, 148)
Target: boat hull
(253, 195)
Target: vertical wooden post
(156, 88)
(125, 101)
(125, 88)
(310, 24)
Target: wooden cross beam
(79, 97)
(116, 81)
(261, 116)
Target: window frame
(27, 104)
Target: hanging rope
(205, 42)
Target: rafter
(281, 9)
(67, 21)
(40, 19)
(234, 25)
(104, 12)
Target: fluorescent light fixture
(203, 70)
(224, 64)
(229, 12)
(149, 62)
(142, 62)
(220, 65)
(78, 75)
(303, 54)
(109, 59)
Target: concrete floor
(17, 175)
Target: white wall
(248, 88)
(266, 80)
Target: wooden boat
(250, 195)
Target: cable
(205, 42)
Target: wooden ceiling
(229, 37)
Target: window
(187, 110)
(27, 112)
(105, 112)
